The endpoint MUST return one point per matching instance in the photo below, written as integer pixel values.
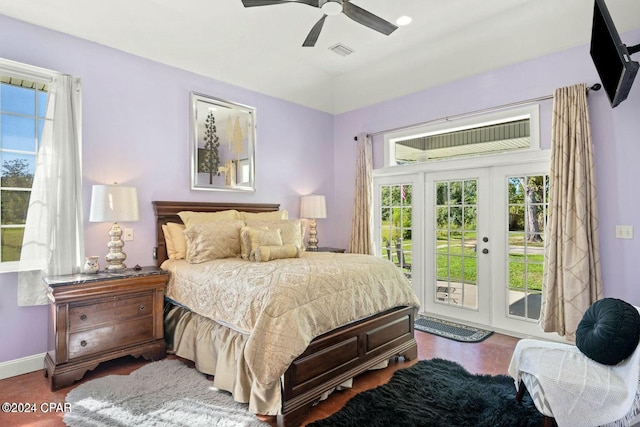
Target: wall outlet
(624, 232)
(128, 234)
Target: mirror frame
(223, 141)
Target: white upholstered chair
(572, 389)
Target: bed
(228, 350)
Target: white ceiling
(260, 48)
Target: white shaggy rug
(164, 393)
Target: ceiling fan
(332, 7)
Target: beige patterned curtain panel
(361, 229)
(572, 264)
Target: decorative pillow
(175, 241)
(291, 229)
(609, 331)
(190, 218)
(213, 240)
(259, 237)
(171, 251)
(245, 241)
(267, 253)
(264, 216)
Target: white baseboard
(21, 366)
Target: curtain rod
(595, 87)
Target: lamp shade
(313, 206)
(114, 203)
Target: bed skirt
(219, 351)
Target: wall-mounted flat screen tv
(610, 56)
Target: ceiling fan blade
(312, 37)
(367, 19)
(253, 3)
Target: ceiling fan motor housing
(331, 7)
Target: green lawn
(458, 265)
(11, 243)
(534, 268)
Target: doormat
(451, 330)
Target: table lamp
(313, 207)
(114, 203)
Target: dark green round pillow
(609, 331)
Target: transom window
(23, 106)
(491, 133)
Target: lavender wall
(136, 131)
(615, 133)
(139, 110)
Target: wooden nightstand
(103, 316)
(327, 249)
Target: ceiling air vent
(341, 49)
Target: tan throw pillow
(264, 216)
(168, 243)
(245, 241)
(190, 218)
(260, 237)
(267, 253)
(291, 229)
(213, 240)
(174, 238)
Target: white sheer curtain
(361, 230)
(53, 237)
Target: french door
(521, 193)
(484, 245)
(470, 240)
(458, 244)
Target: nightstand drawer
(109, 310)
(109, 337)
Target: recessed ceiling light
(404, 20)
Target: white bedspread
(284, 304)
(580, 391)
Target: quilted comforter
(284, 304)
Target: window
(23, 106)
(395, 228)
(490, 133)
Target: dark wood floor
(490, 356)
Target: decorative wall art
(223, 145)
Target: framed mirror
(222, 145)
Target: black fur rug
(438, 392)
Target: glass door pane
(456, 242)
(396, 225)
(528, 198)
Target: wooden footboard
(343, 353)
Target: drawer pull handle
(141, 307)
(83, 343)
(83, 317)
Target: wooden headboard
(168, 212)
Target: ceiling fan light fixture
(332, 7)
(403, 20)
